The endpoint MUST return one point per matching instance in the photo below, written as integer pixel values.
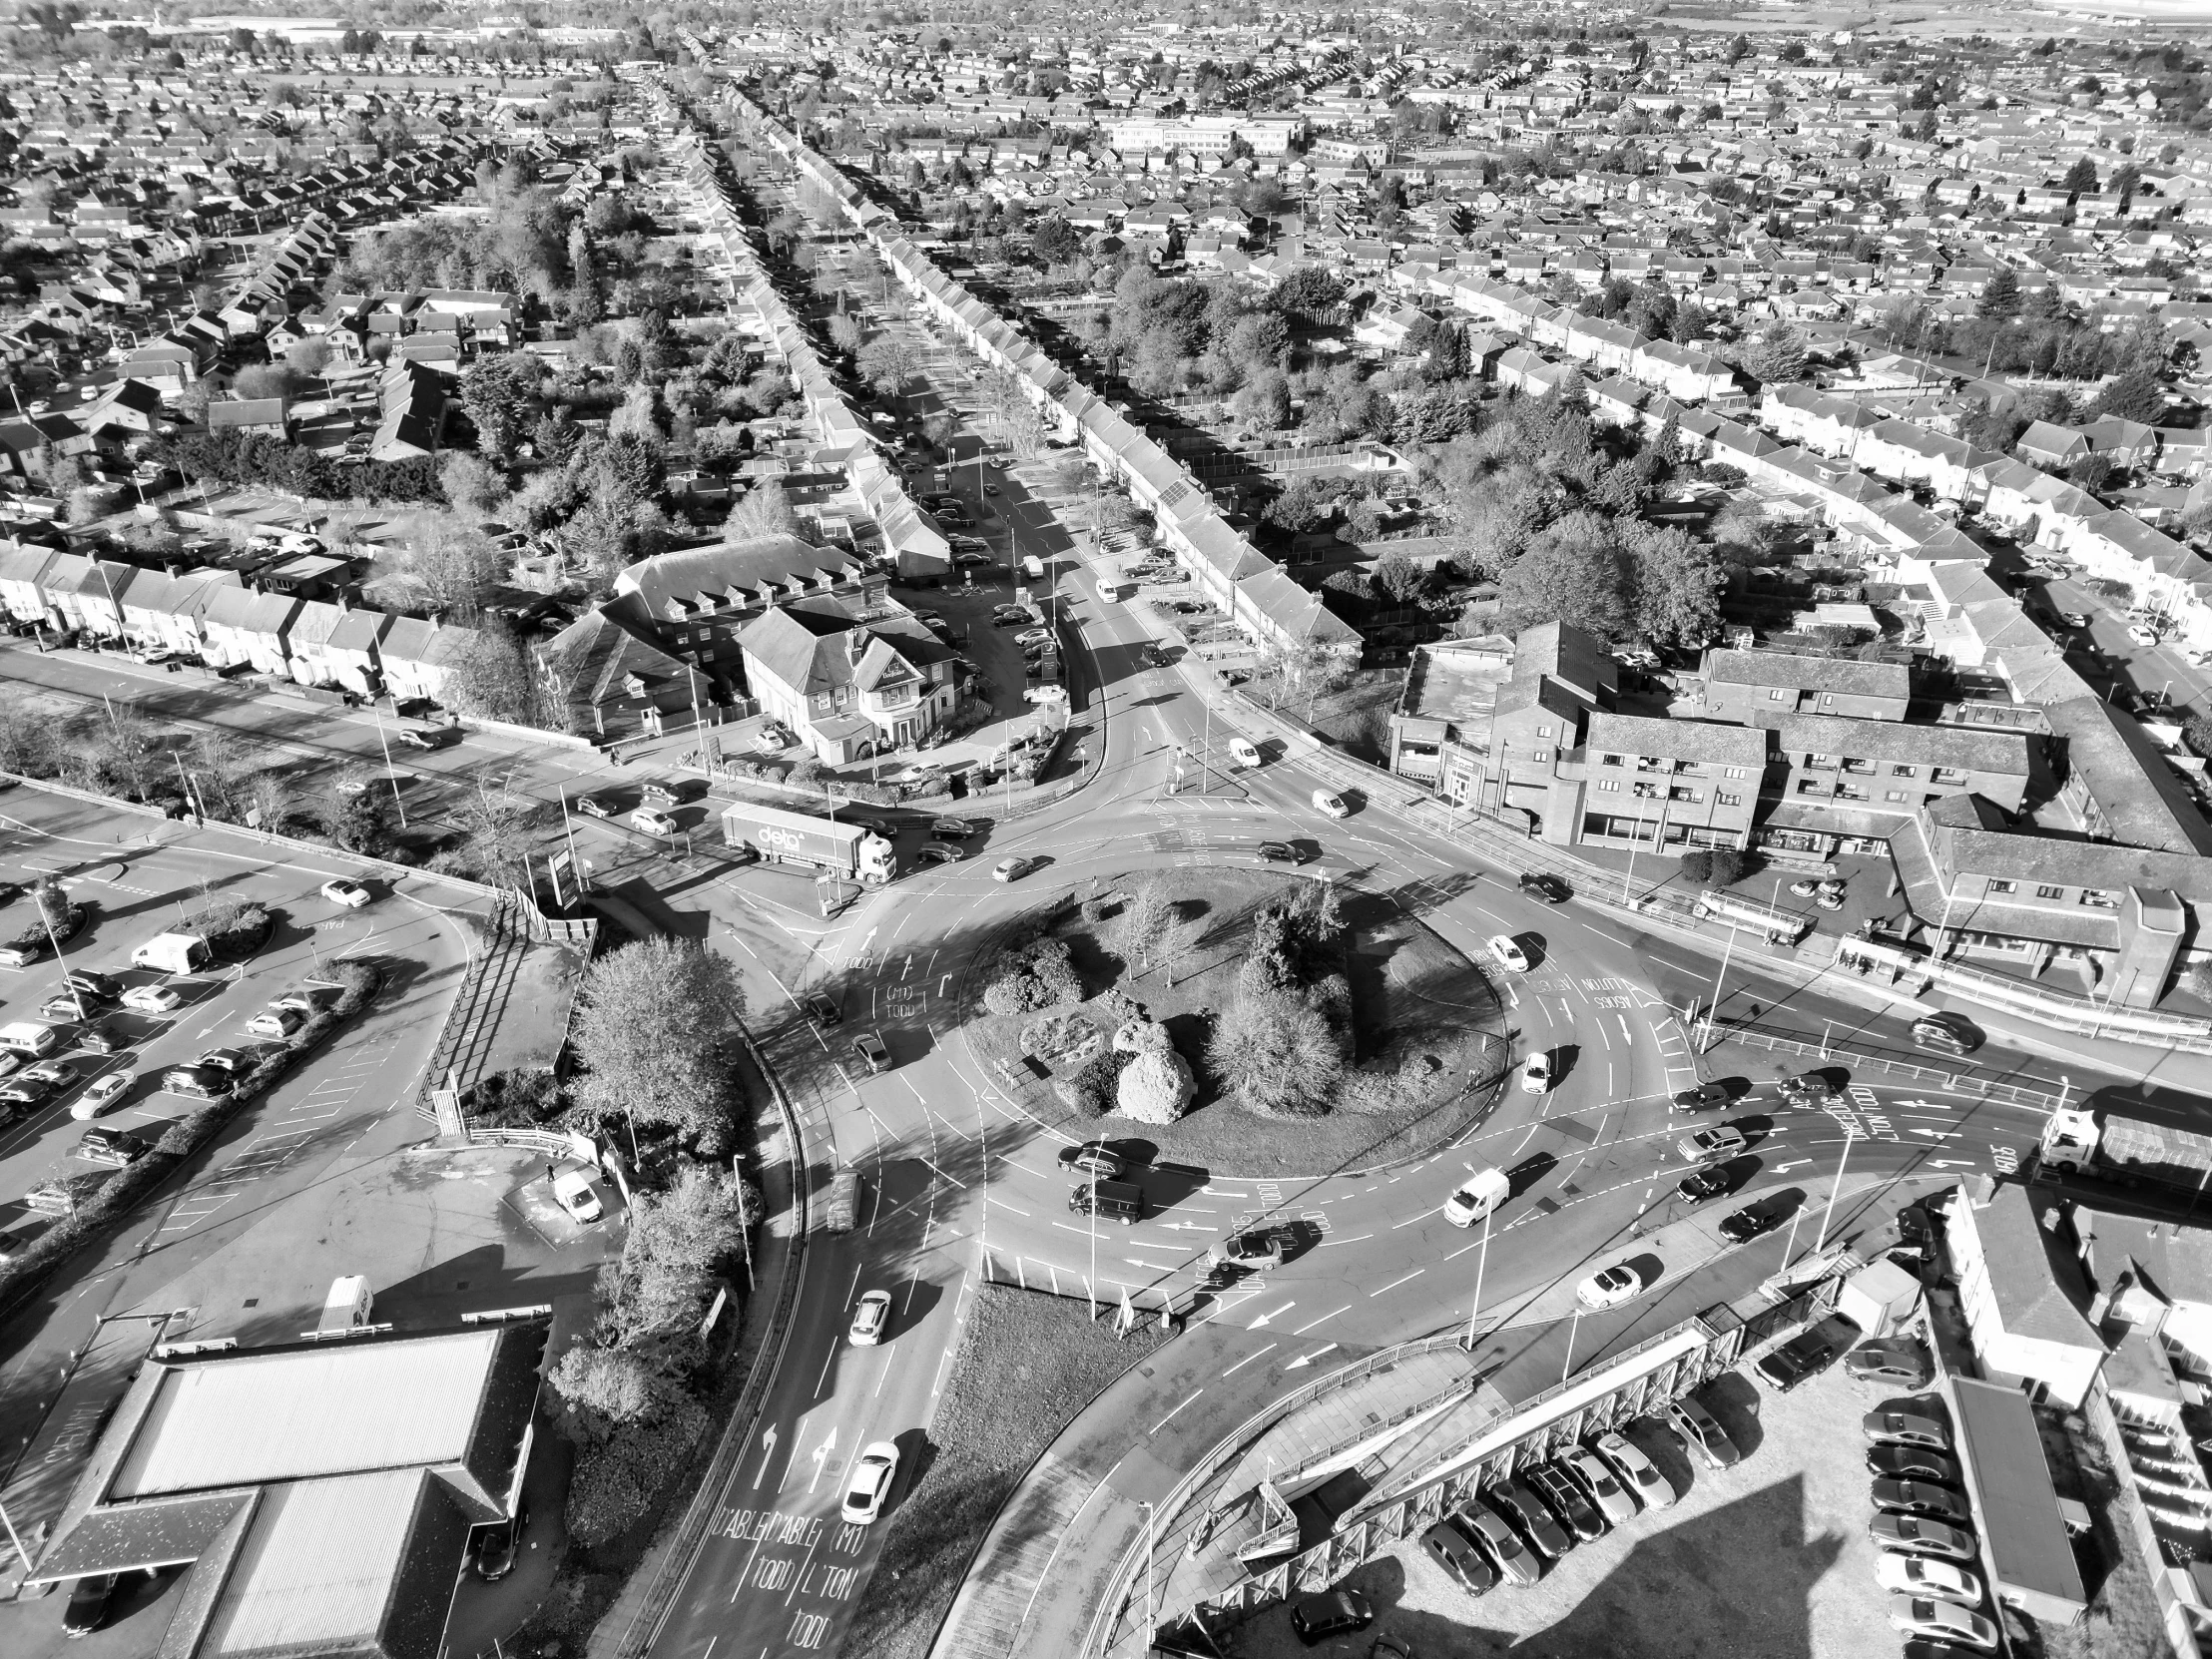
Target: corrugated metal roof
(288, 1416)
(317, 1569)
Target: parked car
(1900, 1360)
(1919, 1535)
(1637, 1471)
(352, 894)
(1537, 1523)
(104, 1095)
(1907, 1422)
(1911, 1463)
(153, 1000)
(1705, 1184)
(1921, 1497)
(88, 1598)
(1549, 888)
(499, 1544)
(117, 1148)
(1926, 1576)
(872, 1317)
(276, 1022)
(868, 1486)
(198, 1082)
(1515, 1559)
(25, 1090)
(870, 1048)
(100, 1038)
(1701, 1432)
(89, 982)
(1463, 1559)
(1805, 1354)
(572, 1191)
(1568, 1501)
(1335, 1612)
(1611, 1287)
(1505, 950)
(1944, 1620)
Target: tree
(763, 510)
(357, 821)
(2000, 296)
(1309, 291)
(2079, 178)
(473, 487)
(1779, 355)
(1145, 913)
(1398, 577)
(2134, 394)
(1674, 583)
(1156, 1086)
(1576, 572)
(653, 1027)
(1278, 1054)
(498, 393)
(494, 678)
(887, 363)
(1054, 240)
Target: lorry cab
(1121, 1201)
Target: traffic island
(1027, 1363)
(1137, 1014)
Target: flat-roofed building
(2025, 1547)
(1757, 688)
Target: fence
(1403, 1514)
(2085, 1017)
(2010, 1093)
(2131, 1519)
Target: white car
(276, 1022)
(1535, 1076)
(153, 1000)
(1601, 1484)
(1244, 753)
(652, 823)
(1919, 1575)
(1609, 1288)
(1326, 801)
(1943, 1621)
(572, 1191)
(1638, 1472)
(1507, 953)
(106, 1092)
(352, 894)
(869, 1484)
(1476, 1197)
(1009, 870)
(871, 1320)
(2142, 635)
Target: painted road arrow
(821, 1458)
(1307, 1358)
(768, 1451)
(1264, 1318)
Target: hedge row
(23, 1275)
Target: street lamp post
(1720, 978)
(390, 776)
(1566, 1371)
(1821, 1243)
(1481, 1263)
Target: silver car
(1637, 1471)
(1590, 1472)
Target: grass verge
(1026, 1364)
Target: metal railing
(2010, 1093)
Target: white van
(347, 1306)
(1242, 752)
(31, 1036)
(1475, 1197)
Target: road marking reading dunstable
(1170, 1417)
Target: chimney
(855, 645)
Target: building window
(1903, 771)
(1733, 772)
(1609, 759)
(1543, 730)
(2098, 899)
(2046, 891)
(1539, 754)
(1609, 783)
(1723, 798)
(1896, 794)
(1778, 694)
(1811, 786)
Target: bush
(1096, 910)
(232, 927)
(1020, 992)
(1068, 1039)
(1715, 867)
(1090, 1089)
(1155, 1085)
(1698, 867)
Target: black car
(1537, 1523)
(1706, 1185)
(1801, 1356)
(821, 1010)
(1279, 853)
(88, 1604)
(498, 1545)
(1911, 1463)
(1332, 1614)
(1742, 1226)
(1568, 1500)
(1946, 1034)
(1704, 1094)
(1921, 1497)
(103, 987)
(1549, 889)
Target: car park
(1922, 1498)
(1330, 802)
(872, 1317)
(1907, 1422)
(1704, 1095)
(1911, 1463)
(1565, 1499)
(1536, 1074)
(1549, 889)
(1515, 1559)
(868, 1486)
(1922, 1536)
(870, 1048)
(1944, 1620)
(105, 1094)
(1637, 1473)
(653, 822)
(1505, 950)
(1463, 1560)
(1701, 1432)
(1477, 1197)
(1743, 1226)
(1900, 1360)
(352, 894)
(1611, 1287)
(1336, 1613)
(1710, 1146)
(1536, 1522)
